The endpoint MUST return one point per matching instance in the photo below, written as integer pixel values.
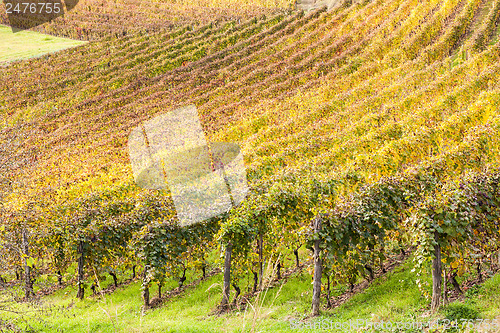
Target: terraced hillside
(96, 19)
(376, 120)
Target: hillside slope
(97, 19)
(393, 297)
(29, 44)
(379, 119)
(379, 58)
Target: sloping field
(27, 44)
(96, 19)
(378, 120)
(352, 59)
(393, 297)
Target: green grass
(29, 44)
(394, 297)
(487, 298)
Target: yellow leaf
(30, 262)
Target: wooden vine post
(28, 282)
(81, 291)
(297, 261)
(145, 286)
(318, 269)
(261, 268)
(227, 276)
(445, 287)
(436, 274)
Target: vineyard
(369, 130)
(97, 19)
